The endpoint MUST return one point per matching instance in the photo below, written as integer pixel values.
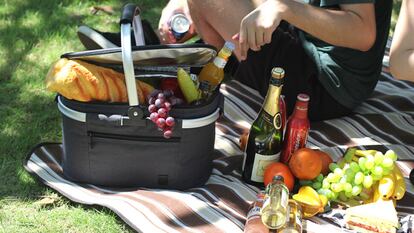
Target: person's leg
(301, 74)
(217, 20)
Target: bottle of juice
(297, 128)
(213, 73)
(275, 207)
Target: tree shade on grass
(33, 34)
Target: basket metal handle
(129, 13)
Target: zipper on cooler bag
(92, 135)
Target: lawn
(32, 35)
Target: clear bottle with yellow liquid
(212, 74)
(275, 207)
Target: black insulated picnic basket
(114, 144)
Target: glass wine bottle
(265, 137)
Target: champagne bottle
(265, 137)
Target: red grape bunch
(159, 106)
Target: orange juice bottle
(213, 73)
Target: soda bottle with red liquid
(297, 128)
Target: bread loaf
(82, 81)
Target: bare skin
(352, 26)
(173, 7)
(402, 47)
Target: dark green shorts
(301, 75)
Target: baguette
(85, 82)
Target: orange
(326, 160)
(277, 168)
(305, 164)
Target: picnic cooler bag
(115, 144)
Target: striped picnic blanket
(385, 121)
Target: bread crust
(81, 81)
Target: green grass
(32, 35)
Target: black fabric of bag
(100, 151)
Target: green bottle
(265, 138)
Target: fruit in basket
(187, 86)
(159, 108)
(305, 164)
(172, 85)
(326, 160)
(277, 168)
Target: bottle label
(220, 62)
(295, 139)
(277, 121)
(259, 165)
(205, 86)
(194, 78)
(253, 213)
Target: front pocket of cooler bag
(120, 160)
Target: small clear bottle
(294, 222)
(274, 211)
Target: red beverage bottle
(254, 222)
(297, 128)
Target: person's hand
(173, 7)
(257, 27)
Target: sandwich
(378, 217)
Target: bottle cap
(229, 45)
(278, 178)
(278, 73)
(303, 97)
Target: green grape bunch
(353, 176)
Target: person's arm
(352, 26)
(402, 47)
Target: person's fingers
(251, 36)
(243, 41)
(259, 38)
(267, 37)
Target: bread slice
(378, 217)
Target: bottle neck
(221, 60)
(301, 110)
(271, 102)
